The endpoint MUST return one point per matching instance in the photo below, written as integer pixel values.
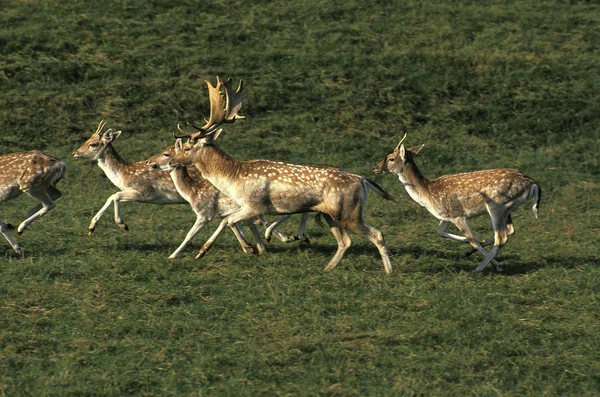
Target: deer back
(28, 171)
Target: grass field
(482, 84)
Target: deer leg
(302, 228)
(114, 199)
(96, 218)
(239, 234)
(272, 229)
(240, 215)
(464, 227)
(12, 242)
(260, 245)
(510, 229)
(343, 239)
(198, 225)
(376, 237)
(501, 231)
(46, 205)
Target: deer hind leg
(272, 228)
(463, 226)
(302, 228)
(510, 229)
(12, 242)
(343, 239)
(46, 205)
(500, 221)
(375, 236)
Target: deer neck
(182, 181)
(415, 183)
(217, 167)
(113, 166)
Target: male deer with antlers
(34, 173)
(458, 197)
(269, 187)
(206, 200)
(139, 183)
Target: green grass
(482, 84)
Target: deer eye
(391, 159)
(94, 144)
(166, 155)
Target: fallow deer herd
(241, 192)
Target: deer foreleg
(260, 245)
(239, 216)
(212, 239)
(198, 225)
(239, 234)
(12, 242)
(114, 199)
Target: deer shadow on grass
(512, 264)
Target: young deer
(34, 173)
(269, 187)
(456, 198)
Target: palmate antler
(223, 109)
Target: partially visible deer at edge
(263, 187)
(458, 197)
(36, 174)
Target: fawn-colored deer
(34, 173)
(458, 197)
(270, 187)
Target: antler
(400, 143)
(101, 126)
(222, 109)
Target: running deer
(263, 187)
(36, 174)
(135, 180)
(207, 201)
(458, 197)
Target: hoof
(124, 227)
(91, 231)
(200, 254)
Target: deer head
(162, 160)
(395, 162)
(97, 143)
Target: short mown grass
(481, 84)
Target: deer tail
(536, 193)
(379, 190)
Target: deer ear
(110, 135)
(178, 144)
(402, 153)
(415, 149)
